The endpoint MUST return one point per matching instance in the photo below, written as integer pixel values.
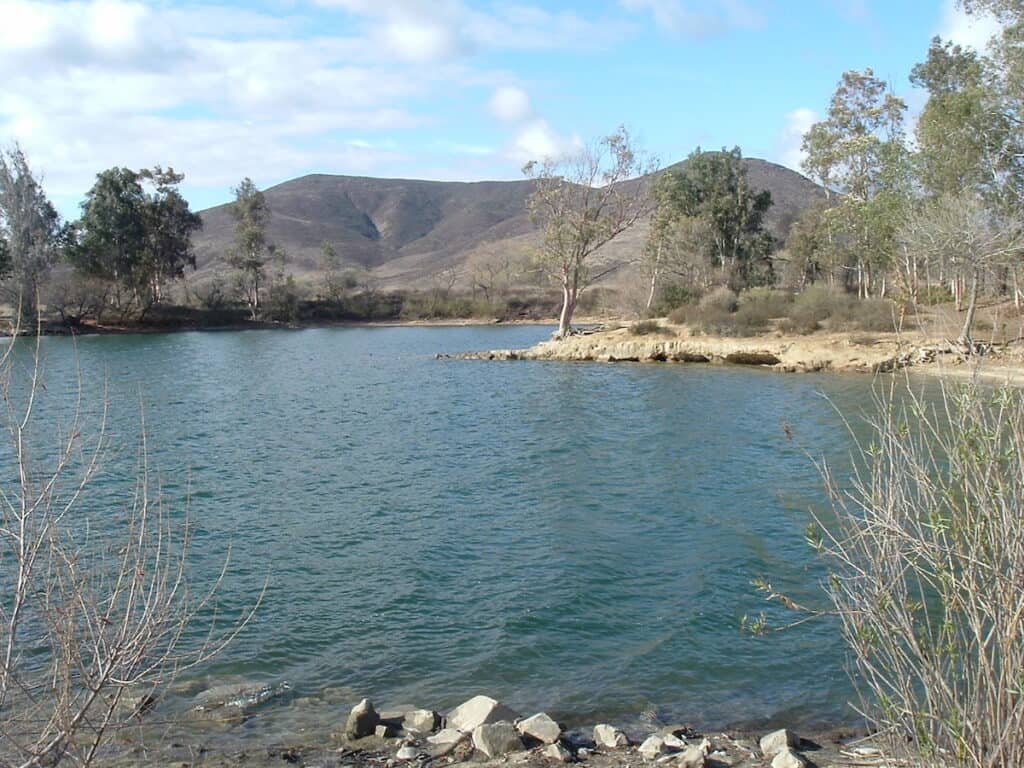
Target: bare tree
(96, 616)
(926, 558)
(960, 233)
(585, 201)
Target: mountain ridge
(406, 232)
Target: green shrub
(934, 294)
(673, 296)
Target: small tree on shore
(583, 202)
(252, 251)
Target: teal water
(573, 537)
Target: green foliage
(31, 236)
(712, 188)
(859, 151)
(135, 238)
(252, 251)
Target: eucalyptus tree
(859, 151)
(712, 188)
(251, 251)
(31, 234)
(134, 238)
(584, 201)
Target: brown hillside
(408, 231)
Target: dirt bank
(824, 351)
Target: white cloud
(510, 104)
(969, 30)
(788, 147)
(537, 140)
(697, 19)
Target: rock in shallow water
(362, 720)
(653, 746)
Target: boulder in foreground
(480, 710)
(540, 728)
(362, 720)
(496, 739)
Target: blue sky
(441, 89)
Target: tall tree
(30, 232)
(713, 187)
(583, 202)
(169, 226)
(859, 152)
(134, 238)
(251, 251)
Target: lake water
(578, 538)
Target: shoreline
(233, 727)
(835, 352)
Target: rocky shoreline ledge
(840, 352)
(483, 731)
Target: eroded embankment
(863, 353)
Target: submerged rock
(496, 739)
(362, 720)
(230, 701)
(480, 710)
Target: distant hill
(407, 232)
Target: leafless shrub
(926, 558)
(97, 615)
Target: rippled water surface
(574, 537)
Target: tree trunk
(569, 298)
(654, 288)
(972, 306)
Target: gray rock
(480, 710)
(496, 739)
(384, 731)
(787, 758)
(234, 700)
(362, 720)
(653, 747)
(447, 736)
(407, 753)
(673, 742)
(421, 721)
(692, 757)
(557, 752)
(776, 741)
(540, 728)
(695, 756)
(609, 736)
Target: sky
(433, 89)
